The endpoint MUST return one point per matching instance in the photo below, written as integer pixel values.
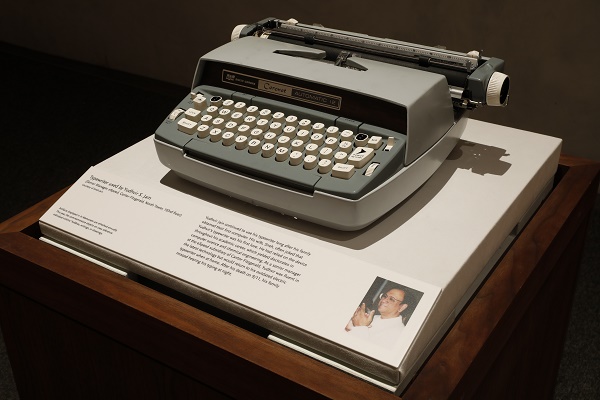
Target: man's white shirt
(381, 331)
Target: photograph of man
(384, 324)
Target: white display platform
(302, 281)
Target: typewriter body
(332, 127)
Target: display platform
(301, 281)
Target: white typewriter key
(265, 113)
(276, 127)
(304, 124)
(343, 171)
(361, 140)
(317, 138)
(297, 145)
(333, 132)
(325, 166)
(303, 135)
(268, 149)
(216, 101)
(361, 156)
(281, 154)
(256, 134)
(228, 104)
(254, 146)
(193, 114)
(311, 149)
(237, 117)
(203, 131)
(375, 142)
(240, 106)
(346, 134)
(243, 130)
(289, 131)
(270, 137)
(346, 146)
(200, 103)
(231, 125)
(262, 124)
(228, 138)
(250, 121)
(279, 117)
(291, 120)
(325, 153)
(215, 134)
(310, 161)
(340, 157)
(331, 142)
(252, 110)
(212, 110)
(186, 125)
(241, 142)
(283, 141)
(193, 95)
(318, 127)
(218, 123)
(296, 158)
(206, 119)
(224, 113)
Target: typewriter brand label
(282, 89)
(267, 86)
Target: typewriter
(328, 126)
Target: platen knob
(235, 34)
(497, 90)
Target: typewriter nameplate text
(282, 89)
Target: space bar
(252, 165)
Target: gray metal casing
(425, 95)
(432, 132)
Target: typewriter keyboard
(282, 144)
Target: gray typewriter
(328, 126)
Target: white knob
(497, 90)
(235, 34)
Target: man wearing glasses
(384, 327)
